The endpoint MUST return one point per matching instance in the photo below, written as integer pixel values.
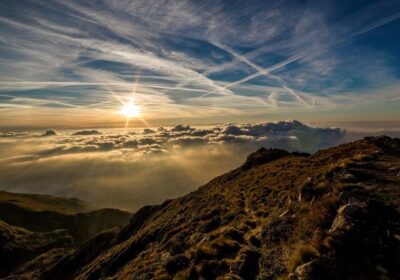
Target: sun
(130, 110)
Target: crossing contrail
(299, 56)
(260, 69)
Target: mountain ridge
(44, 213)
(281, 215)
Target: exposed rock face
(331, 215)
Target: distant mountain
(18, 245)
(32, 224)
(281, 215)
(42, 202)
(42, 213)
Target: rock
(304, 271)
(346, 217)
(381, 269)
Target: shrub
(234, 234)
(249, 267)
(212, 269)
(176, 263)
(278, 229)
(213, 224)
(218, 249)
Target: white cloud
(86, 50)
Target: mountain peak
(262, 156)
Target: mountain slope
(43, 202)
(18, 245)
(43, 213)
(331, 215)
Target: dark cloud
(229, 138)
(181, 127)
(233, 130)
(49, 132)
(148, 131)
(201, 132)
(188, 141)
(147, 141)
(131, 144)
(87, 132)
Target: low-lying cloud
(128, 170)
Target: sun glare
(130, 110)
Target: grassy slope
(43, 213)
(18, 245)
(41, 202)
(332, 215)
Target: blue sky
(72, 63)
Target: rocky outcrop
(347, 219)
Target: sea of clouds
(129, 169)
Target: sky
(74, 64)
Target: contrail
(260, 69)
(128, 84)
(297, 57)
(375, 25)
(261, 72)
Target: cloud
(73, 56)
(147, 131)
(11, 134)
(285, 134)
(147, 141)
(180, 127)
(49, 132)
(87, 132)
(115, 169)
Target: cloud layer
(128, 170)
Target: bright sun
(130, 110)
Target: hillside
(281, 215)
(42, 202)
(18, 245)
(43, 213)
